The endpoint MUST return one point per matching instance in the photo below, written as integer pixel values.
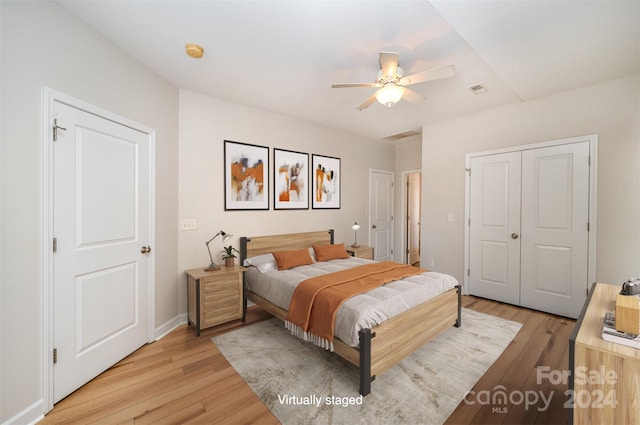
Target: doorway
(98, 271)
(412, 210)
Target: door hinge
(55, 355)
(588, 226)
(55, 245)
(56, 127)
(468, 170)
(589, 160)
(468, 272)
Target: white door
(381, 214)
(101, 209)
(494, 228)
(413, 217)
(555, 238)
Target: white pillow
(266, 262)
(263, 263)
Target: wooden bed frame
(382, 346)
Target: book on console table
(609, 332)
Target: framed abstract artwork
(290, 180)
(246, 176)
(325, 175)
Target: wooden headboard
(257, 245)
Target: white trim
(167, 327)
(32, 414)
(593, 207)
(403, 213)
(51, 96)
(151, 312)
(47, 254)
(593, 192)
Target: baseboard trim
(29, 416)
(164, 329)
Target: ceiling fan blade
(412, 96)
(367, 102)
(430, 75)
(388, 63)
(343, 85)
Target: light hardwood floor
(184, 379)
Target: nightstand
(214, 297)
(363, 251)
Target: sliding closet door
(555, 238)
(494, 228)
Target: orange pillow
(289, 259)
(330, 252)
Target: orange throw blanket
(315, 301)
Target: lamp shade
(390, 94)
(355, 227)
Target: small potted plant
(229, 255)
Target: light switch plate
(189, 224)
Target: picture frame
(246, 176)
(326, 177)
(290, 180)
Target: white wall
(206, 122)
(611, 110)
(43, 45)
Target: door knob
(514, 236)
(374, 226)
(145, 249)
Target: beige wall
(206, 122)
(43, 45)
(610, 110)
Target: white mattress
(361, 311)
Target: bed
(379, 347)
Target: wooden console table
(605, 377)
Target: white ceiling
(282, 56)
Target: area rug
(304, 384)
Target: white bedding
(361, 311)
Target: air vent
(478, 89)
(403, 135)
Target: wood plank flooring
(184, 379)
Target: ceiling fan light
(389, 95)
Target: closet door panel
(555, 212)
(494, 260)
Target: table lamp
(355, 229)
(225, 237)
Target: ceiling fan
(392, 83)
